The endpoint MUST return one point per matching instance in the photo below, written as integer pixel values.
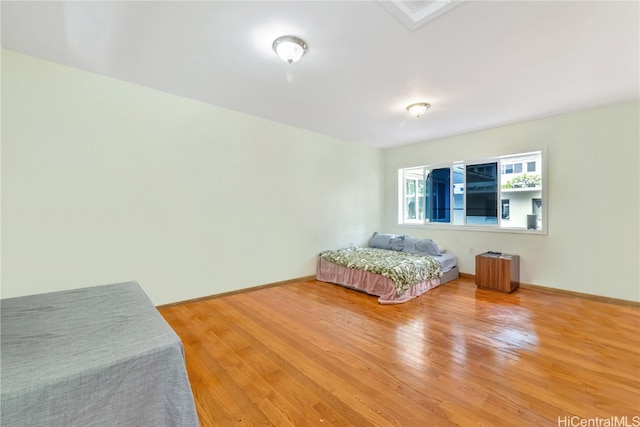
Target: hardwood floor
(316, 354)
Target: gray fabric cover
(393, 242)
(99, 356)
(427, 247)
(409, 245)
(420, 246)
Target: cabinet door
(487, 272)
(498, 274)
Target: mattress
(447, 261)
(99, 356)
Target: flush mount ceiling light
(418, 109)
(289, 48)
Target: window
(536, 208)
(505, 208)
(511, 168)
(438, 197)
(494, 193)
(414, 195)
(482, 193)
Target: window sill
(486, 228)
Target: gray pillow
(427, 247)
(410, 245)
(397, 243)
(393, 242)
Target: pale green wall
(104, 181)
(593, 241)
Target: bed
(395, 268)
(98, 356)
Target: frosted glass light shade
(289, 48)
(418, 109)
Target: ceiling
(479, 64)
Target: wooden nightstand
(498, 272)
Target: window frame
(541, 170)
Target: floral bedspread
(402, 268)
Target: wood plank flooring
(316, 354)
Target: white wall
(104, 181)
(593, 241)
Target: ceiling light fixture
(289, 48)
(418, 109)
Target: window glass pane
(521, 190)
(482, 193)
(411, 187)
(517, 168)
(414, 195)
(438, 197)
(410, 207)
(458, 194)
(421, 211)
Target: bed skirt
(371, 283)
